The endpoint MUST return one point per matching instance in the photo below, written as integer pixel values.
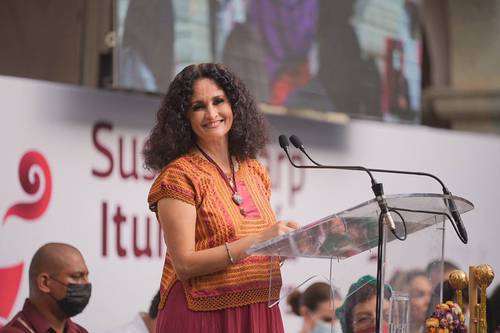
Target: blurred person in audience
(436, 274)
(398, 280)
(143, 322)
(58, 290)
(493, 311)
(449, 294)
(358, 313)
(420, 290)
(212, 199)
(316, 306)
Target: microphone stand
(378, 190)
(384, 214)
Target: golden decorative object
(458, 281)
(483, 275)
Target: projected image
(359, 57)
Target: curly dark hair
(172, 136)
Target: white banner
(72, 172)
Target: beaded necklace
(237, 198)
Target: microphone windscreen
(283, 141)
(460, 226)
(296, 141)
(455, 214)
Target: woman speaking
(212, 199)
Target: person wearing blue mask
(58, 290)
(316, 308)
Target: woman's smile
(213, 124)
(211, 115)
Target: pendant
(237, 198)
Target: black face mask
(76, 299)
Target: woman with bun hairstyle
(316, 307)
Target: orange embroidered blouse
(196, 181)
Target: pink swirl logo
(30, 181)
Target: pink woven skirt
(175, 317)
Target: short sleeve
(173, 182)
(259, 170)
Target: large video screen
(358, 57)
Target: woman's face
(326, 309)
(364, 315)
(210, 113)
(420, 290)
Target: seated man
(58, 289)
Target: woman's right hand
(277, 229)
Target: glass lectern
(353, 231)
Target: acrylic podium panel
(355, 230)
(353, 234)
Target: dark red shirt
(30, 320)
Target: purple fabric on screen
(287, 27)
(253, 318)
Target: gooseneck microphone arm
(456, 219)
(285, 146)
(377, 188)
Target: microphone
(298, 144)
(377, 187)
(450, 203)
(284, 144)
(461, 231)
